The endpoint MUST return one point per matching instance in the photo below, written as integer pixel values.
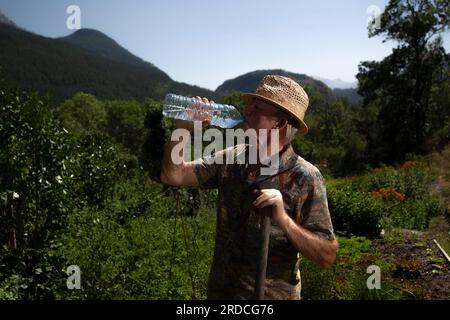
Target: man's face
(260, 115)
(262, 119)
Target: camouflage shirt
(233, 270)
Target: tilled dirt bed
(419, 267)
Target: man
(301, 222)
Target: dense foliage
(74, 192)
(384, 198)
(79, 179)
(404, 87)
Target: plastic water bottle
(185, 108)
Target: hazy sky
(205, 42)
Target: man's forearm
(320, 251)
(310, 245)
(170, 171)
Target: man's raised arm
(174, 170)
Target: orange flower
(412, 164)
(387, 194)
(376, 194)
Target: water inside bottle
(184, 108)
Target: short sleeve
(208, 170)
(312, 206)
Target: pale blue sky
(205, 42)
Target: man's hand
(272, 197)
(309, 244)
(196, 114)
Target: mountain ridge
(4, 19)
(249, 81)
(61, 68)
(101, 44)
(337, 83)
(90, 61)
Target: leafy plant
(354, 212)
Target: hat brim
(248, 97)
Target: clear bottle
(185, 108)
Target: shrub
(77, 198)
(412, 179)
(354, 212)
(323, 284)
(347, 278)
(36, 168)
(412, 214)
(151, 257)
(9, 288)
(405, 193)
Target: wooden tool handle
(263, 253)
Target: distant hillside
(102, 45)
(4, 19)
(249, 81)
(351, 94)
(337, 83)
(86, 61)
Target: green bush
(77, 197)
(83, 114)
(354, 212)
(135, 127)
(347, 278)
(413, 179)
(335, 283)
(37, 164)
(151, 257)
(9, 288)
(406, 193)
(412, 213)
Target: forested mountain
(249, 81)
(91, 62)
(86, 61)
(105, 47)
(351, 94)
(4, 19)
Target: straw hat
(285, 94)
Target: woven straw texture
(284, 93)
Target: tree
(125, 124)
(46, 175)
(401, 84)
(83, 114)
(36, 170)
(334, 141)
